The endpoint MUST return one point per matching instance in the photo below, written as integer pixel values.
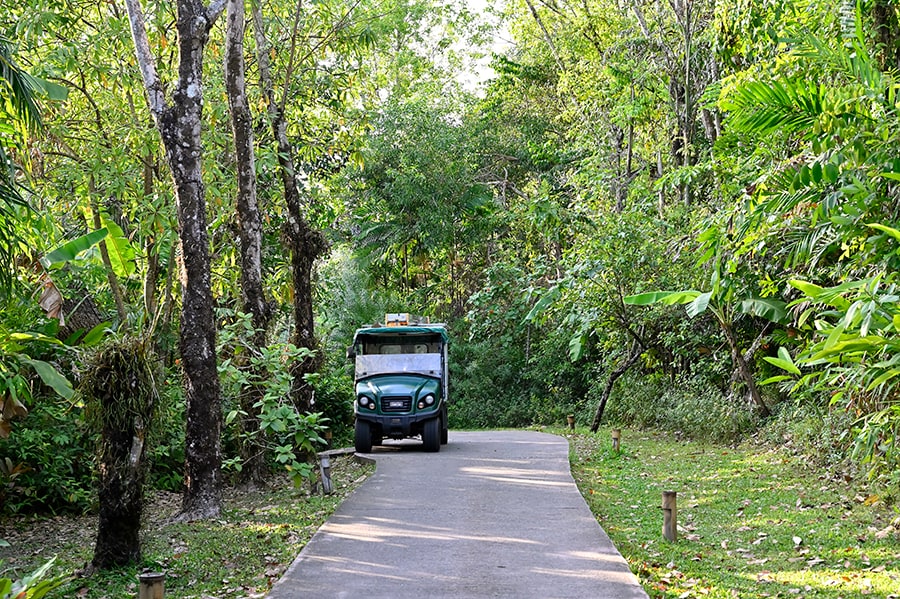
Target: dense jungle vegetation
(671, 214)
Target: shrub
(166, 446)
(49, 462)
(691, 405)
(334, 395)
(33, 586)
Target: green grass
(241, 554)
(754, 521)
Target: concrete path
(494, 514)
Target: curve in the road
(494, 514)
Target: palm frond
(809, 246)
(763, 108)
(21, 87)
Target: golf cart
(401, 382)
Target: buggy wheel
(363, 437)
(431, 434)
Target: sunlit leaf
(771, 309)
(661, 297)
(51, 377)
(699, 304)
(69, 250)
(121, 253)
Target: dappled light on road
(378, 530)
(517, 476)
(493, 514)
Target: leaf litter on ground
(757, 521)
(239, 555)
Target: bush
(334, 395)
(822, 434)
(33, 586)
(690, 405)
(487, 386)
(166, 446)
(48, 462)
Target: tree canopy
(676, 214)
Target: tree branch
(156, 99)
(214, 11)
(547, 37)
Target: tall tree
(179, 124)
(252, 292)
(302, 240)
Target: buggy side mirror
(351, 353)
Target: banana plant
(725, 303)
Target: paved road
(494, 514)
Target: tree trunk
(80, 313)
(304, 243)
(887, 33)
(744, 370)
(119, 391)
(252, 294)
(179, 126)
(120, 496)
(151, 279)
(613, 377)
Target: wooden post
(325, 467)
(616, 435)
(670, 516)
(152, 585)
(571, 420)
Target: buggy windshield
(370, 365)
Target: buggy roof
(402, 330)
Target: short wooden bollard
(616, 435)
(670, 516)
(571, 420)
(152, 585)
(325, 468)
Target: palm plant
(826, 213)
(19, 114)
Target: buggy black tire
(363, 437)
(431, 434)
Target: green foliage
(289, 435)
(823, 434)
(50, 460)
(821, 223)
(691, 405)
(16, 384)
(69, 250)
(166, 440)
(334, 396)
(32, 586)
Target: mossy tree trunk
(253, 298)
(120, 496)
(179, 122)
(120, 397)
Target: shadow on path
(494, 514)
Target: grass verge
(754, 521)
(240, 554)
